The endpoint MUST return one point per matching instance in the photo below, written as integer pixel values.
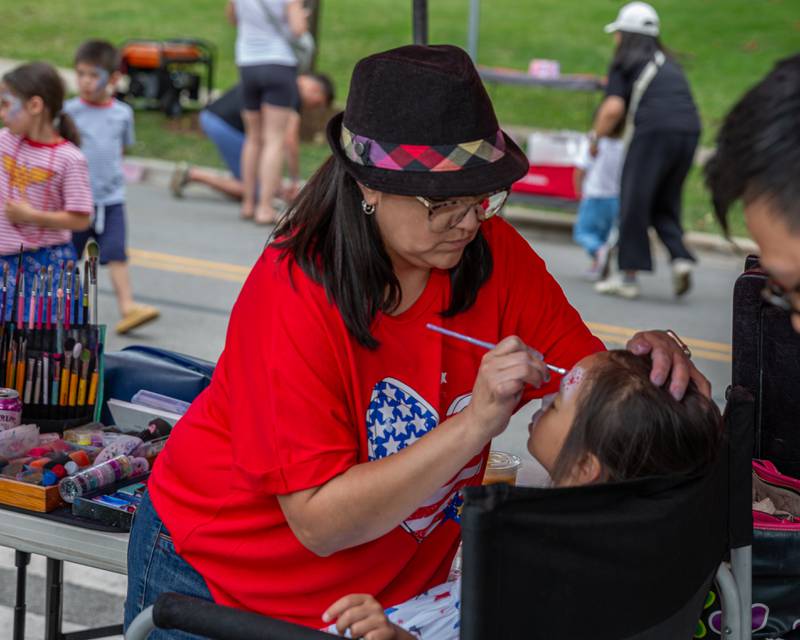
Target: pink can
(10, 409)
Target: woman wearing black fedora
(328, 453)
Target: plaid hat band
(413, 157)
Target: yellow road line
(608, 333)
(696, 353)
(627, 333)
(225, 267)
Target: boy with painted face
(607, 423)
(106, 127)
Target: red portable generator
(167, 74)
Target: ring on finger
(686, 350)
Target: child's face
(550, 425)
(94, 83)
(14, 111)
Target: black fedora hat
(418, 121)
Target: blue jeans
(596, 218)
(227, 139)
(154, 568)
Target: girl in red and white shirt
(44, 178)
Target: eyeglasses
(444, 215)
(777, 296)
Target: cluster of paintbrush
(50, 345)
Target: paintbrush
(11, 364)
(60, 311)
(21, 302)
(16, 284)
(46, 378)
(49, 311)
(40, 312)
(68, 294)
(481, 343)
(85, 316)
(93, 383)
(86, 357)
(5, 291)
(73, 374)
(69, 343)
(75, 293)
(29, 382)
(32, 305)
(23, 347)
(54, 399)
(93, 251)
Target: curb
(158, 172)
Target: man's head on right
(758, 161)
(316, 90)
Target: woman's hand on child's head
(363, 616)
(19, 211)
(502, 376)
(669, 362)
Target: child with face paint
(106, 127)
(44, 179)
(607, 423)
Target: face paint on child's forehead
(572, 381)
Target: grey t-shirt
(105, 132)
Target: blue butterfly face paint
(10, 106)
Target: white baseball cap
(636, 17)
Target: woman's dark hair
(636, 429)
(636, 49)
(339, 247)
(758, 147)
(41, 79)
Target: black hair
(99, 53)
(41, 79)
(636, 49)
(327, 86)
(339, 247)
(758, 147)
(636, 429)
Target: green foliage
(724, 45)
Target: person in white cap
(648, 89)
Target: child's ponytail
(67, 128)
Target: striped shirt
(106, 129)
(50, 177)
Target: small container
(10, 409)
(93, 478)
(502, 467)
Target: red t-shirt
(296, 401)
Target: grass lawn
(724, 45)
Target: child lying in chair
(607, 423)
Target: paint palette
(114, 508)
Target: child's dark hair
(99, 53)
(636, 429)
(41, 79)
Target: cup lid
(501, 460)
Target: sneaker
(682, 275)
(136, 317)
(616, 286)
(592, 273)
(179, 179)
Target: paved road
(190, 257)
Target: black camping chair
(616, 561)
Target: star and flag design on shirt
(397, 417)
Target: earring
(367, 208)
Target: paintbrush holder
(59, 384)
